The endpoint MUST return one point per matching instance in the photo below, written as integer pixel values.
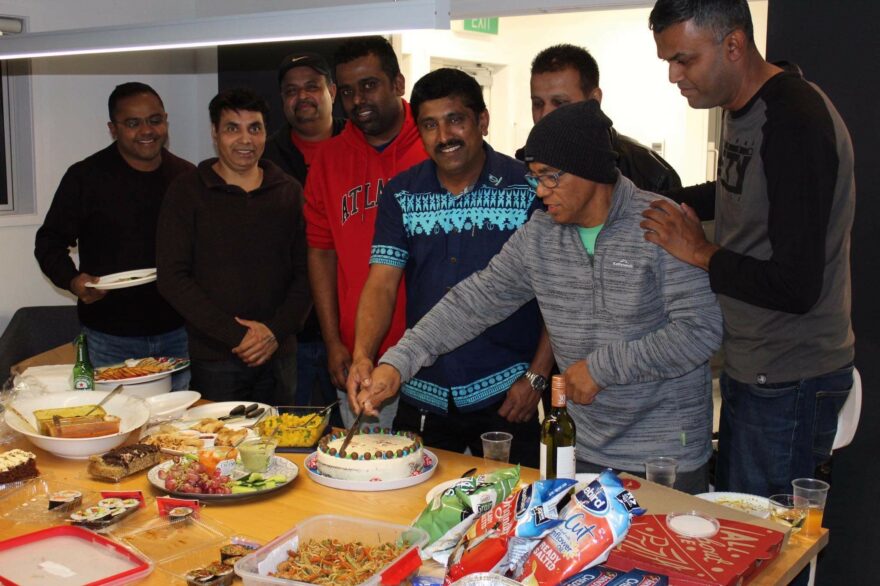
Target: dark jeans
(457, 431)
(771, 434)
(233, 380)
(692, 482)
(107, 349)
(311, 364)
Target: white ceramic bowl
(143, 390)
(132, 411)
(171, 405)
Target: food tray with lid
(69, 556)
(161, 538)
(254, 569)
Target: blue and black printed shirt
(439, 239)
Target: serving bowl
(171, 405)
(295, 427)
(132, 411)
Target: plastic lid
(61, 555)
(693, 524)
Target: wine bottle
(83, 373)
(558, 436)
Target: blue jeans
(311, 361)
(106, 349)
(773, 433)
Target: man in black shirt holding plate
(107, 206)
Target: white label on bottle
(542, 448)
(565, 467)
(565, 462)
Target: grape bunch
(189, 476)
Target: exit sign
(488, 26)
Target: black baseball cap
(313, 60)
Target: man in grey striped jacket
(631, 327)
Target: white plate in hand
(125, 279)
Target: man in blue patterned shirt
(438, 223)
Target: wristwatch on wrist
(538, 382)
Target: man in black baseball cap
(307, 94)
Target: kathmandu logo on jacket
(496, 181)
(361, 198)
(622, 263)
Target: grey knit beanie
(575, 138)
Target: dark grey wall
(836, 44)
(256, 66)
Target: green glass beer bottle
(83, 373)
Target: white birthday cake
(372, 454)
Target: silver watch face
(538, 382)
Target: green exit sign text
(488, 26)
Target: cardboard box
(735, 555)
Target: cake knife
(350, 433)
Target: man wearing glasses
(108, 205)
(631, 327)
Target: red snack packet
(593, 522)
(505, 535)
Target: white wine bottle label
(565, 462)
(542, 448)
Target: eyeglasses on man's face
(548, 180)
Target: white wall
(70, 96)
(70, 122)
(637, 94)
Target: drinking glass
(788, 510)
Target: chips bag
(592, 523)
(504, 536)
(451, 512)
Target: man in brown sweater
(231, 260)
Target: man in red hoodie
(346, 177)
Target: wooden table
(269, 516)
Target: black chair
(33, 330)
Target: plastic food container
(30, 502)
(254, 569)
(693, 524)
(69, 556)
(178, 566)
(295, 427)
(161, 539)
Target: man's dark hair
(564, 56)
(358, 47)
(127, 90)
(448, 83)
(720, 16)
(237, 99)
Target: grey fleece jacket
(645, 322)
